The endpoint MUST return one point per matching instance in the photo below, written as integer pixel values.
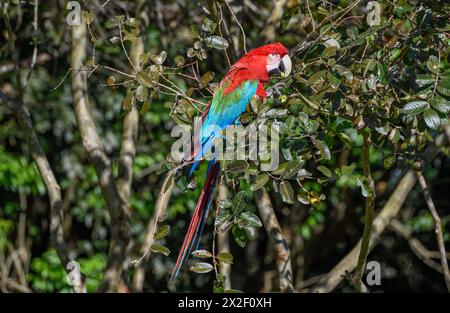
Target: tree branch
(130, 128)
(117, 206)
(223, 237)
(368, 216)
(50, 182)
(273, 229)
(438, 226)
(160, 207)
(425, 255)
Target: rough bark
(117, 206)
(281, 247)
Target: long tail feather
(192, 238)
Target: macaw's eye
(272, 58)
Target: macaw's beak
(283, 68)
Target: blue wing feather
(225, 109)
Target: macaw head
(269, 60)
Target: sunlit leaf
(432, 119)
(260, 181)
(201, 254)
(239, 202)
(162, 232)
(251, 219)
(225, 257)
(322, 147)
(415, 107)
(201, 267)
(286, 191)
(240, 237)
(156, 248)
(324, 170)
(216, 42)
(237, 166)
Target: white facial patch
(272, 61)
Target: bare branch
(160, 208)
(438, 227)
(368, 216)
(273, 229)
(130, 133)
(244, 38)
(425, 255)
(51, 184)
(274, 20)
(223, 242)
(117, 207)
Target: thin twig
(368, 216)
(240, 26)
(438, 227)
(281, 247)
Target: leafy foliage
(390, 81)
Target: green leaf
(251, 219)
(145, 107)
(201, 267)
(443, 87)
(111, 23)
(216, 42)
(433, 64)
(342, 70)
(441, 105)
(383, 74)
(303, 173)
(345, 139)
(225, 257)
(239, 202)
(143, 79)
(160, 58)
(156, 248)
(432, 119)
(365, 190)
(179, 60)
(206, 79)
(322, 147)
(128, 102)
(201, 254)
(292, 168)
(315, 78)
(240, 236)
(415, 107)
(208, 25)
(389, 162)
(225, 204)
(222, 218)
(383, 130)
(303, 199)
(141, 93)
(260, 181)
(162, 232)
(287, 193)
(424, 80)
(250, 231)
(237, 166)
(280, 169)
(325, 171)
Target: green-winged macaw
(245, 79)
